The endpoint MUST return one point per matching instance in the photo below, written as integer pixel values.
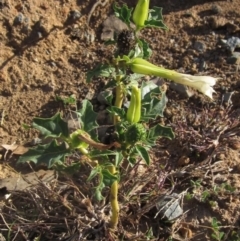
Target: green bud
(140, 14)
(76, 143)
(134, 110)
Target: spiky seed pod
(135, 133)
(125, 42)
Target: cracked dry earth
(46, 48)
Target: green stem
(119, 98)
(114, 200)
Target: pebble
(227, 97)
(234, 58)
(19, 19)
(216, 9)
(202, 66)
(181, 89)
(75, 15)
(199, 46)
(232, 43)
(103, 97)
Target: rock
(216, 9)
(169, 207)
(199, 46)
(19, 19)
(202, 66)
(227, 97)
(74, 15)
(105, 97)
(181, 89)
(112, 25)
(234, 59)
(217, 22)
(232, 43)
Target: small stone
(181, 89)
(202, 66)
(75, 15)
(234, 59)
(19, 19)
(36, 141)
(112, 25)
(39, 35)
(232, 43)
(217, 22)
(199, 46)
(48, 87)
(183, 161)
(104, 97)
(234, 144)
(216, 9)
(89, 95)
(227, 97)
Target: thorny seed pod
(125, 42)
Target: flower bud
(140, 14)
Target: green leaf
(155, 18)
(87, 117)
(53, 127)
(71, 169)
(159, 131)
(146, 51)
(153, 104)
(48, 154)
(101, 70)
(102, 153)
(117, 111)
(71, 100)
(108, 178)
(118, 158)
(143, 153)
(107, 96)
(94, 172)
(98, 191)
(123, 13)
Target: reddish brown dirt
(45, 55)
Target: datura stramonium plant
(203, 84)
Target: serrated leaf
(118, 159)
(146, 51)
(117, 111)
(153, 104)
(101, 70)
(47, 154)
(107, 96)
(71, 169)
(143, 153)
(94, 172)
(87, 117)
(123, 13)
(98, 191)
(102, 153)
(108, 178)
(51, 127)
(159, 131)
(155, 18)
(71, 100)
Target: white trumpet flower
(204, 84)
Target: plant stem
(119, 98)
(114, 200)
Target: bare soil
(45, 52)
